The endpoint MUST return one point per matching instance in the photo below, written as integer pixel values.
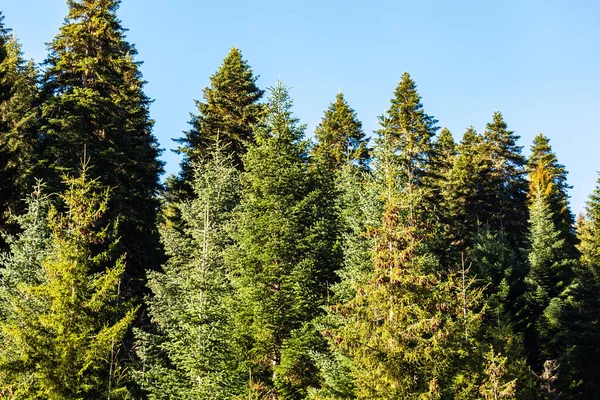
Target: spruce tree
(340, 138)
(543, 169)
(94, 104)
(572, 323)
(410, 131)
(230, 112)
(281, 257)
(191, 353)
(339, 161)
(549, 274)
(462, 197)
(63, 322)
(505, 188)
(402, 330)
(18, 92)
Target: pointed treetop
(339, 135)
(279, 122)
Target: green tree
(462, 196)
(340, 138)
(230, 112)
(550, 272)
(94, 104)
(281, 258)
(543, 169)
(408, 329)
(18, 92)
(63, 322)
(572, 319)
(339, 160)
(192, 353)
(505, 188)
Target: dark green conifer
(340, 138)
(229, 112)
(94, 104)
(18, 92)
(505, 188)
(572, 323)
(543, 169)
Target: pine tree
(18, 92)
(230, 111)
(543, 169)
(94, 104)
(281, 259)
(192, 353)
(340, 138)
(62, 323)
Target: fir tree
(505, 188)
(192, 353)
(543, 169)
(281, 269)
(549, 274)
(93, 103)
(339, 160)
(63, 324)
(18, 92)
(230, 111)
(408, 328)
(572, 323)
(410, 131)
(340, 138)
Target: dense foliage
(274, 266)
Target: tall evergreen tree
(339, 161)
(192, 354)
(18, 92)
(63, 323)
(465, 208)
(543, 169)
(281, 259)
(410, 131)
(230, 112)
(93, 103)
(402, 329)
(572, 319)
(505, 190)
(340, 138)
(549, 274)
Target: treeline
(408, 266)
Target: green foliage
(63, 321)
(572, 319)
(281, 273)
(18, 92)
(230, 112)
(93, 103)
(340, 138)
(550, 177)
(192, 353)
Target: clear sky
(536, 61)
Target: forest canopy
(277, 264)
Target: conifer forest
(277, 263)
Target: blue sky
(538, 62)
